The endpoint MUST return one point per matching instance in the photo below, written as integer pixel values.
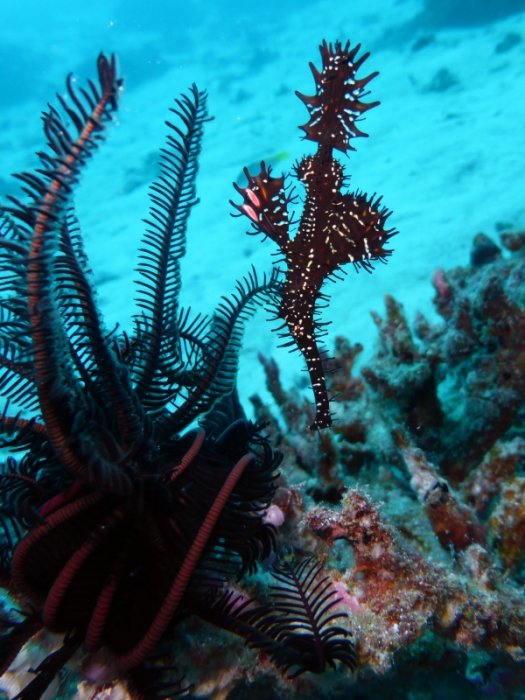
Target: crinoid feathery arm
(336, 227)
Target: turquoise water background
(446, 147)
(446, 151)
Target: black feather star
(295, 629)
(111, 502)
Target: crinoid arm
(54, 307)
(217, 345)
(172, 196)
(297, 627)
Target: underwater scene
(262, 350)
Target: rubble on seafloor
(415, 501)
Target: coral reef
(422, 478)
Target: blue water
(446, 147)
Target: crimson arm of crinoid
(265, 203)
(337, 105)
(110, 83)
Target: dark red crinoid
(336, 227)
(116, 517)
(127, 522)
